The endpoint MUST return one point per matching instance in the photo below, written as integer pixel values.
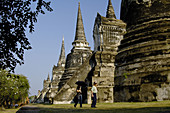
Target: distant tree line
(14, 89)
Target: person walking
(93, 95)
(78, 96)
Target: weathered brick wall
(143, 60)
(107, 34)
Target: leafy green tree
(13, 88)
(3, 86)
(23, 86)
(16, 17)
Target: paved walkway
(28, 109)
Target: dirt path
(28, 109)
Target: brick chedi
(79, 53)
(107, 33)
(143, 61)
(50, 87)
(42, 95)
(57, 73)
(58, 70)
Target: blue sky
(49, 30)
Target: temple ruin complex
(130, 61)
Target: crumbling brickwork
(143, 60)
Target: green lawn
(9, 110)
(133, 107)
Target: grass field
(134, 107)
(9, 110)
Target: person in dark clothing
(78, 96)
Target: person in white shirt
(94, 97)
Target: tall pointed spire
(110, 11)
(48, 78)
(80, 35)
(61, 61)
(80, 42)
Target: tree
(3, 83)
(16, 17)
(13, 88)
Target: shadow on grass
(100, 110)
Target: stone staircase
(68, 91)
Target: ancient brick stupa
(59, 69)
(79, 53)
(57, 72)
(50, 87)
(107, 33)
(143, 62)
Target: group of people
(78, 97)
